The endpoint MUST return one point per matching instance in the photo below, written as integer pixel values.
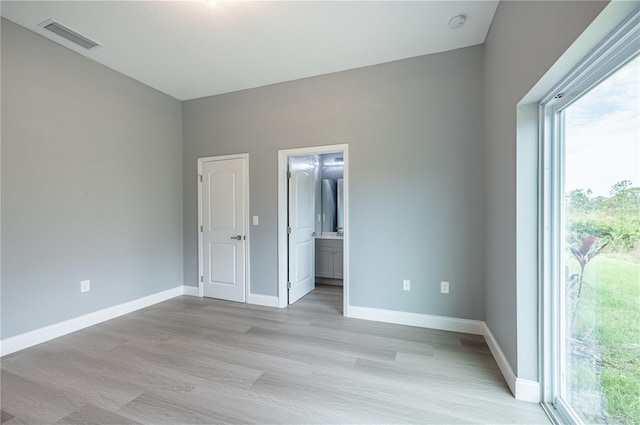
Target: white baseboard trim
(501, 359)
(192, 291)
(38, 336)
(443, 323)
(522, 389)
(527, 390)
(265, 300)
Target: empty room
(327, 212)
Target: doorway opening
(312, 239)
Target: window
(591, 237)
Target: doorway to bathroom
(313, 222)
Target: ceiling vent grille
(69, 34)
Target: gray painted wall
(91, 185)
(414, 129)
(524, 41)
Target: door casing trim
(283, 156)
(247, 263)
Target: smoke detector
(457, 21)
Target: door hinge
(201, 228)
(201, 278)
(201, 178)
(289, 229)
(288, 174)
(288, 285)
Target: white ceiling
(190, 48)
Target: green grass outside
(609, 317)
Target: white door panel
(222, 202)
(221, 256)
(302, 224)
(303, 269)
(224, 219)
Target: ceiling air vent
(69, 34)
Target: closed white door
(223, 227)
(301, 228)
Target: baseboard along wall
(466, 326)
(264, 300)
(192, 291)
(522, 389)
(47, 333)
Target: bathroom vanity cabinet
(329, 258)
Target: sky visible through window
(602, 134)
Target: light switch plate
(406, 285)
(255, 220)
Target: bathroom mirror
(332, 210)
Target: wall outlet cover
(85, 286)
(444, 287)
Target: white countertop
(329, 235)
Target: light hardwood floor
(192, 360)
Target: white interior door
(223, 215)
(301, 228)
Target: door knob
(237, 237)
(313, 234)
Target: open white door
(223, 224)
(284, 254)
(302, 257)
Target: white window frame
(617, 49)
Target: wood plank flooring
(191, 360)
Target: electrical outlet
(444, 287)
(406, 285)
(85, 286)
